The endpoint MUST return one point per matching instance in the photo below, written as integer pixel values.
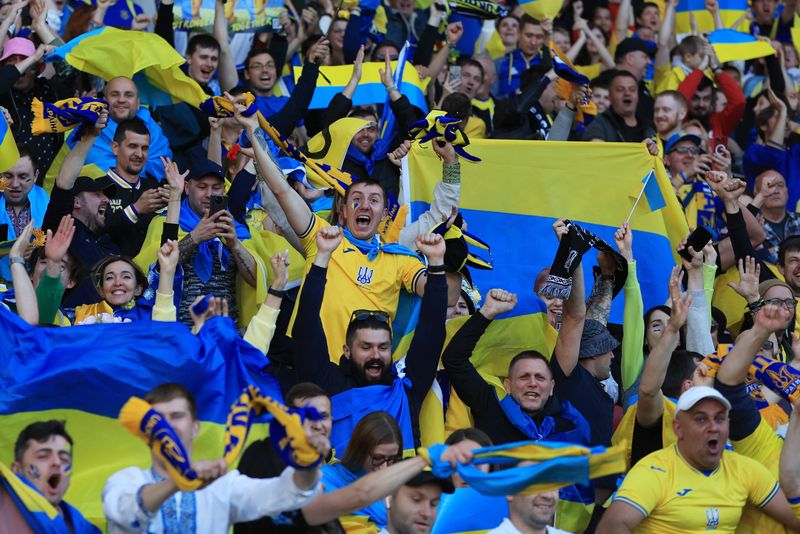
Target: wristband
(436, 269)
(276, 292)
(755, 306)
(391, 88)
(17, 259)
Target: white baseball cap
(693, 395)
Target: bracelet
(569, 108)
(391, 88)
(755, 306)
(276, 292)
(17, 259)
(434, 269)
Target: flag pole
(638, 199)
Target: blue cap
(205, 167)
(682, 136)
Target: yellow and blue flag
(552, 466)
(85, 374)
(731, 45)
(651, 192)
(730, 11)
(369, 91)
(516, 192)
(540, 9)
(8, 147)
(468, 512)
(144, 57)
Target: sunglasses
(363, 315)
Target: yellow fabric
(164, 309)
(330, 146)
(494, 46)
(46, 121)
(262, 327)
(623, 435)
(590, 71)
(99, 312)
(248, 297)
(358, 524)
(356, 283)
(140, 419)
(676, 497)
(476, 128)
(763, 446)
(30, 498)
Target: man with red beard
(669, 113)
(620, 122)
(43, 460)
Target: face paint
(33, 472)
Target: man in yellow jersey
(364, 274)
(750, 434)
(695, 485)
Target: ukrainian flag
(730, 11)
(369, 91)
(540, 9)
(8, 147)
(85, 374)
(145, 57)
(731, 45)
(512, 197)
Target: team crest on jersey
(365, 275)
(712, 518)
(115, 204)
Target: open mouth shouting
(363, 222)
(373, 369)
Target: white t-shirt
(507, 527)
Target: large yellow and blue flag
(369, 91)
(730, 45)
(145, 57)
(85, 374)
(8, 147)
(512, 197)
(730, 11)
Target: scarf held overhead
(570, 251)
(65, 114)
(286, 431)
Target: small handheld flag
(652, 194)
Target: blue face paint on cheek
(33, 472)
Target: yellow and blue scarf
(66, 114)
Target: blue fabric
(38, 198)
(101, 155)
(350, 406)
(466, 510)
(545, 431)
(322, 203)
(270, 105)
(373, 248)
(361, 159)
(203, 259)
(558, 469)
(40, 523)
(509, 69)
(335, 476)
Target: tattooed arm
(245, 263)
(598, 307)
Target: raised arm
(297, 211)
(698, 329)
(27, 307)
(569, 336)
(468, 383)
(665, 34)
(605, 55)
(311, 357)
(355, 78)
(422, 360)
(778, 134)
(226, 69)
(262, 327)
(624, 17)
(73, 163)
(168, 259)
(633, 340)
(651, 400)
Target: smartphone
(218, 203)
(201, 307)
(3, 232)
(455, 72)
(697, 240)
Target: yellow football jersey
(675, 497)
(356, 283)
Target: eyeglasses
(687, 150)
(260, 66)
(378, 460)
(363, 315)
(789, 304)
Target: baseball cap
(205, 167)
(676, 138)
(633, 44)
(427, 477)
(695, 394)
(18, 46)
(104, 184)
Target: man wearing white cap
(696, 484)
